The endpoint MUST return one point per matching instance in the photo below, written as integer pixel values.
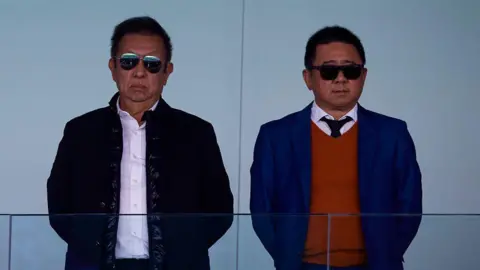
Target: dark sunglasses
(129, 61)
(330, 72)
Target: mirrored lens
(129, 61)
(152, 64)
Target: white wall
(238, 64)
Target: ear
(112, 66)
(364, 74)
(169, 68)
(307, 78)
(168, 71)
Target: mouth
(340, 91)
(138, 86)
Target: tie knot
(336, 125)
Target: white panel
(54, 67)
(422, 58)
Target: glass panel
(35, 245)
(252, 252)
(4, 240)
(346, 242)
(223, 254)
(443, 242)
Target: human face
(139, 76)
(334, 88)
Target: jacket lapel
(159, 137)
(367, 149)
(302, 152)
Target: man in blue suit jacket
(335, 157)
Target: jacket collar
(160, 108)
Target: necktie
(336, 125)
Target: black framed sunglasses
(129, 61)
(330, 72)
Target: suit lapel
(302, 152)
(367, 149)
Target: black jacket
(185, 175)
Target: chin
(139, 96)
(343, 103)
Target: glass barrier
(5, 234)
(443, 242)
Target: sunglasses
(129, 61)
(330, 72)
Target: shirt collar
(124, 114)
(318, 113)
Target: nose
(340, 78)
(139, 70)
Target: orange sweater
(334, 190)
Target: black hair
(328, 35)
(140, 25)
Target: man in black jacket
(157, 172)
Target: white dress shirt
(317, 114)
(132, 234)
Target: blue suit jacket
(389, 183)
